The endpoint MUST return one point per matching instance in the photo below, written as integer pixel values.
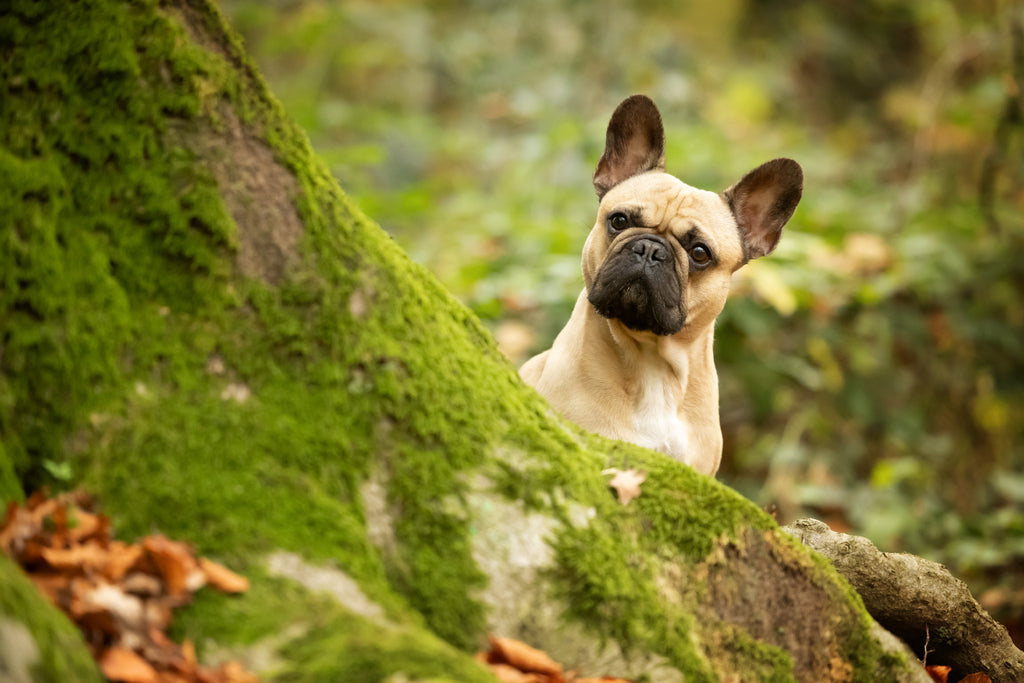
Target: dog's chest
(657, 416)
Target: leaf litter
(120, 595)
(512, 661)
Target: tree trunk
(197, 326)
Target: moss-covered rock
(198, 326)
(37, 642)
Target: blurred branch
(1009, 122)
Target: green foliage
(871, 367)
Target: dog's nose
(650, 249)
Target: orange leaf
(524, 657)
(49, 584)
(60, 527)
(121, 664)
(508, 674)
(939, 674)
(170, 677)
(976, 678)
(188, 651)
(75, 559)
(234, 672)
(87, 525)
(18, 526)
(174, 561)
(121, 558)
(222, 578)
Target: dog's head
(662, 253)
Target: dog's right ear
(634, 144)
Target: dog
(635, 360)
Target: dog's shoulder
(532, 369)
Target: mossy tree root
(920, 602)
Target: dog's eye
(700, 254)
(618, 221)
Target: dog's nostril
(650, 250)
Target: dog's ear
(762, 201)
(634, 144)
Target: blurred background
(872, 369)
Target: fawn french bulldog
(635, 361)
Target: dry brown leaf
(128, 610)
(144, 585)
(174, 561)
(939, 674)
(121, 664)
(602, 679)
(170, 677)
(42, 509)
(51, 585)
(976, 678)
(222, 578)
(89, 556)
(121, 558)
(188, 651)
(115, 592)
(87, 526)
(18, 526)
(234, 672)
(506, 673)
(626, 483)
(523, 657)
(59, 539)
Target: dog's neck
(693, 400)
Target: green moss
(101, 218)
(61, 654)
(342, 647)
(128, 334)
(10, 487)
(324, 641)
(758, 661)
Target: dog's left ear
(763, 201)
(634, 144)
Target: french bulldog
(635, 361)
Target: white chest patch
(656, 420)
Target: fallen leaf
(121, 664)
(626, 483)
(89, 556)
(121, 558)
(939, 674)
(976, 678)
(115, 592)
(50, 584)
(234, 672)
(18, 525)
(222, 578)
(129, 610)
(87, 526)
(174, 561)
(523, 657)
(59, 539)
(507, 673)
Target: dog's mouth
(642, 292)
